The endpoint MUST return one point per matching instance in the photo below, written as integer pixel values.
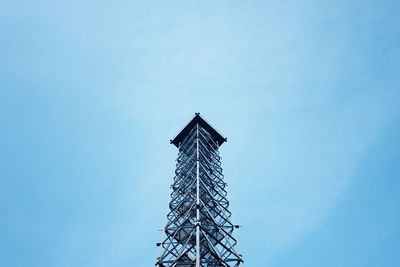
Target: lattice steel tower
(198, 230)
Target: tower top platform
(203, 123)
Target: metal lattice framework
(199, 230)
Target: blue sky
(307, 93)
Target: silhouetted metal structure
(199, 230)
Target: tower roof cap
(203, 123)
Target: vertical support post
(197, 199)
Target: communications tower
(198, 230)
